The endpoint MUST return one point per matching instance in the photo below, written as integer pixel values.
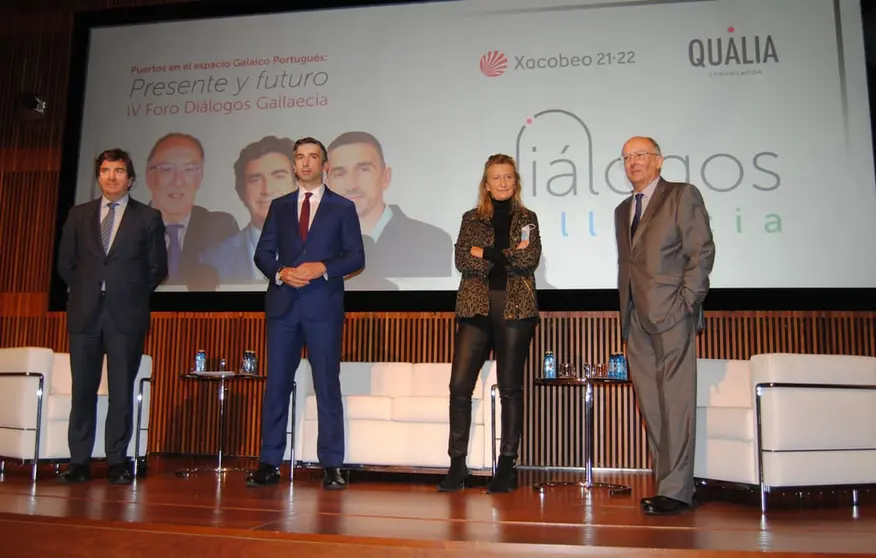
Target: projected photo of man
(174, 170)
(395, 244)
(262, 173)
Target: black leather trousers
(509, 340)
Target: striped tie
(106, 225)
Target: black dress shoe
(75, 473)
(661, 505)
(649, 500)
(332, 479)
(266, 474)
(120, 473)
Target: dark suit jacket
(667, 264)
(334, 238)
(205, 230)
(410, 248)
(134, 267)
(232, 260)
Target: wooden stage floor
(208, 515)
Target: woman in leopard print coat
(497, 251)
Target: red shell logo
(493, 64)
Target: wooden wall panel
(27, 229)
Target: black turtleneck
(502, 232)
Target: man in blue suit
(311, 240)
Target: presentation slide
(761, 104)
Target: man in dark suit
(396, 245)
(174, 171)
(311, 240)
(262, 173)
(112, 257)
(665, 256)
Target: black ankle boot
(505, 478)
(455, 478)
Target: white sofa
(786, 420)
(35, 402)
(396, 414)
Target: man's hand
(292, 277)
(477, 251)
(309, 271)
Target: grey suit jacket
(667, 264)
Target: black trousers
(509, 340)
(123, 353)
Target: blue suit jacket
(334, 238)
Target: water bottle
(249, 365)
(201, 361)
(612, 366)
(622, 367)
(550, 365)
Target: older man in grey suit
(665, 256)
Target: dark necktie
(637, 216)
(174, 250)
(106, 226)
(304, 218)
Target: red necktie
(304, 218)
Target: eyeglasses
(637, 156)
(169, 170)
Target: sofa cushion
(405, 444)
(432, 379)
(59, 408)
(818, 419)
(726, 460)
(26, 359)
(430, 409)
(726, 423)
(356, 407)
(388, 379)
(723, 383)
(421, 409)
(812, 369)
(819, 468)
(18, 402)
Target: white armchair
(35, 402)
(25, 433)
(786, 420)
(396, 414)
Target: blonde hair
(485, 202)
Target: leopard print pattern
(472, 299)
